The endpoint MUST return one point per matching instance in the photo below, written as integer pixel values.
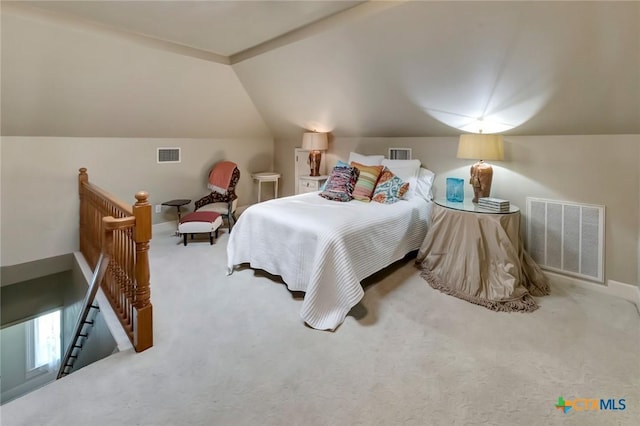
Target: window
(43, 344)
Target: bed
(326, 248)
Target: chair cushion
(199, 216)
(219, 207)
(195, 226)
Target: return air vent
(566, 237)
(399, 153)
(168, 155)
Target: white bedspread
(325, 248)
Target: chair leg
(230, 215)
(211, 238)
(231, 220)
(185, 239)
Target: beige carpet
(231, 350)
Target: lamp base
(314, 161)
(481, 177)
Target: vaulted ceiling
(409, 68)
(224, 28)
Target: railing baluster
(126, 282)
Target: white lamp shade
(478, 146)
(314, 141)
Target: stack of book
(495, 204)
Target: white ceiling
(220, 27)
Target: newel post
(143, 325)
(82, 177)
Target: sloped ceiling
(223, 28)
(434, 68)
(411, 68)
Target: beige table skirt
(479, 257)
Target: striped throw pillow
(366, 181)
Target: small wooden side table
(266, 177)
(177, 204)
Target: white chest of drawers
(310, 183)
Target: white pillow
(404, 169)
(365, 160)
(424, 183)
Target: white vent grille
(399, 153)
(566, 237)
(168, 155)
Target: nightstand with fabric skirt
(476, 254)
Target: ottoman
(200, 222)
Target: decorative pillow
(366, 182)
(407, 170)
(424, 183)
(367, 160)
(340, 163)
(340, 184)
(390, 188)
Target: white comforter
(325, 248)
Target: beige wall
(75, 95)
(62, 79)
(39, 208)
(583, 169)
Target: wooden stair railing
(126, 281)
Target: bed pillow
(424, 183)
(340, 184)
(367, 179)
(390, 188)
(367, 160)
(404, 169)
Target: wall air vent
(566, 237)
(399, 153)
(168, 155)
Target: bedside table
(310, 183)
(266, 177)
(476, 254)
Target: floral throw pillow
(340, 183)
(366, 182)
(390, 188)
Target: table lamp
(315, 142)
(480, 146)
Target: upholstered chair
(225, 204)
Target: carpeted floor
(232, 350)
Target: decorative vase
(455, 190)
